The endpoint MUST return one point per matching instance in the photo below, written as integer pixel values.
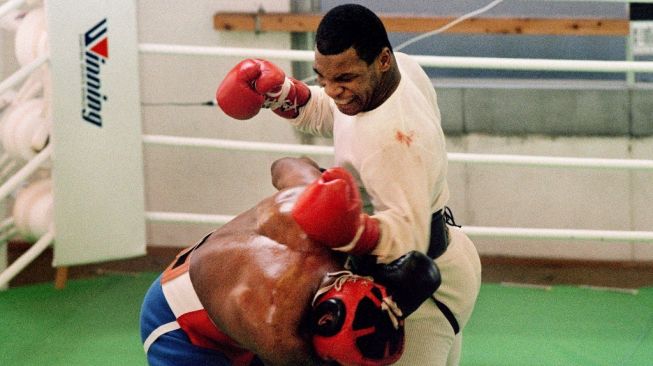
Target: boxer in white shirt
(381, 110)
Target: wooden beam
(60, 278)
(288, 22)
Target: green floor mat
(564, 326)
(90, 322)
(95, 322)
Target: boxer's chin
(351, 108)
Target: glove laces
(338, 279)
(276, 100)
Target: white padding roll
(33, 209)
(7, 98)
(12, 20)
(22, 128)
(31, 37)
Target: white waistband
(181, 295)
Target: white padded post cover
(99, 211)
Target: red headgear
(355, 322)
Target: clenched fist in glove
(330, 212)
(411, 279)
(254, 84)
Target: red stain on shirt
(405, 138)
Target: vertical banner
(99, 204)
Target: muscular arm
(256, 277)
(293, 172)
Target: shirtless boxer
(247, 288)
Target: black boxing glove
(410, 280)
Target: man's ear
(385, 59)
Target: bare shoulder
(291, 172)
(256, 277)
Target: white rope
(236, 145)
(186, 218)
(558, 234)
(172, 49)
(534, 64)
(473, 231)
(533, 161)
(552, 162)
(426, 61)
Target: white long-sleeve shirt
(397, 154)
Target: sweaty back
(256, 277)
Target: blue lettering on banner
(95, 53)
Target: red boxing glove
(254, 84)
(330, 212)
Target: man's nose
(332, 89)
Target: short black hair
(352, 25)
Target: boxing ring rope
(474, 231)
(493, 159)
(424, 60)
(187, 218)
